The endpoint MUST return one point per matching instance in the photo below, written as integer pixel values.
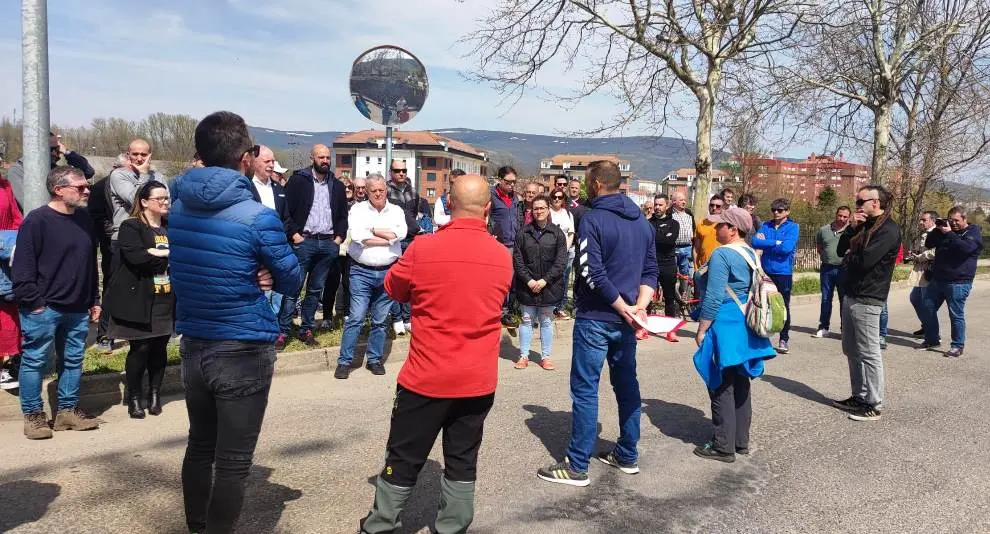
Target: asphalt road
(924, 468)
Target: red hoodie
(456, 281)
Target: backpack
(764, 311)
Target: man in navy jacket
(778, 239)
(226, 250)
(616, 279)
(957, 245)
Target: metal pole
(388, 147)
(37, 120)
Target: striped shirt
(320, 219)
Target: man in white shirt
(441, 208)
(272, 195)
(377, 228)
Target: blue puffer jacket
(219, 236)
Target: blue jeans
(531, 314)
(316, 258)
(400, 311)
(367, 292)
(275, 301)
(567, 277)
(683, 257)
(596, 342)
(918, 301)
(784, 283)
(67, 332)
(955, 296)
(829, 279)
(884, 319)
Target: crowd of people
(229, 252)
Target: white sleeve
(440, 216)
(358, 226)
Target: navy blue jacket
(955, 254)
(504, 221)
(299, 191)
(219, 236)
(616, 255)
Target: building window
(431, 177)
(346, 159)
(367, 160)
(379, 161)
(430, 192)
(431, 162)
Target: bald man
(448, 381)
(685, 236)
(123, 182)
(316, 226)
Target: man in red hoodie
(448, 381)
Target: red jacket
(456, 281)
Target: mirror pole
(388, 148)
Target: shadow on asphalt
(797, 389)
(552, 428)
(420, 510)
(507, 349)
(685, 423)
(264, 501)
(25, 501)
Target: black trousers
(732, 411)
(146, 354)
(337, 279)
(668, 286)
(227, 385)
(106, 268)
(416, 422)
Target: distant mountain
(965, 193)
(650, 157)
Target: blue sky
(280, 63)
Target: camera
(941, 222)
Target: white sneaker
(8, 381)
(408, 327)
(400, 329)
(821, 333)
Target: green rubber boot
(456, 507)
(384, 515)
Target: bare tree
(855, 60)
(742, 139)
(642, 51)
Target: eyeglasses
(715, 206)
(861, 201)
(360, 187)
(160, 200)
(779, 210)
(400, 171)
(80, 188)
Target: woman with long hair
(139, 298)
(10, 323)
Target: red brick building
(803, 180)
(429, 157)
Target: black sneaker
(561, 473)
(708, 452)
(611, 459)
(929, 346)
(865, 413)
(308, 340)
(849, 405)
(342, 372)
(280, 343)
(742, 450)
(918, 332)
(376, 368)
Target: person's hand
(94, 314)
(533, 286)
(542, 283)
(631, 313)
(265, 280)
(859, 217)
(145, 167)
(297, 238)
(945, 228)
(39, 310)
(699, 338)
(61, 148)
(760, 236)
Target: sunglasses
(861, 201)
(558, 197)
(80, 188)
(779, 210)
(349, 188)
(713, 206)
(400, 171)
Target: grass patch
(806, 286)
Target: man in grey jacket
(124, 182)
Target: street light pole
(36, 116)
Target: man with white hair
(685, 236)
(272, 195)
(377, 228)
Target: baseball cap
(738, 217)
(280, 169)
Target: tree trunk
(703, 160)
(881, 140)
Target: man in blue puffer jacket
(778, 239)
(226, 250)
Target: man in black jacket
(402, 193)
(56, 151)
(316, 226)
(957, 245)
(667, 229)
(869, 249)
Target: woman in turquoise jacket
(729, 353)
